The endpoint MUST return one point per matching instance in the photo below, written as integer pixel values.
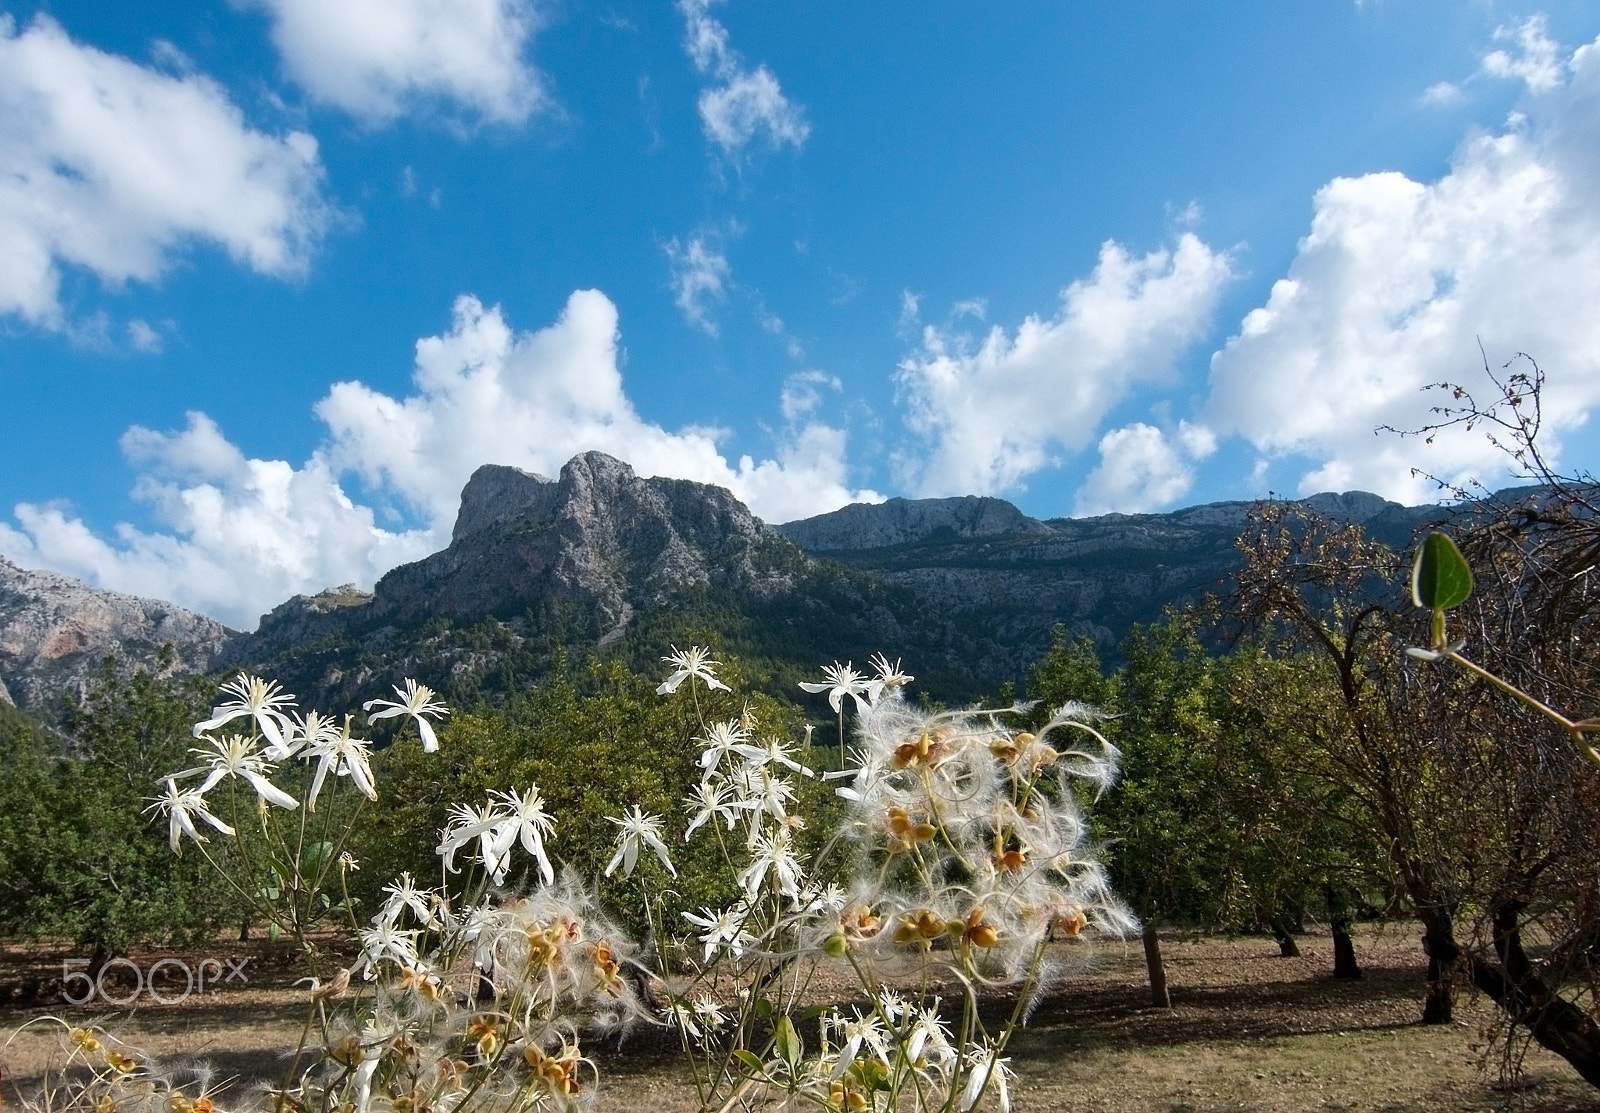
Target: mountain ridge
(601, 558)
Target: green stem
(1587, 751)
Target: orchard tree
(80, 857)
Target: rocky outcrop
(599, 546)
(599, 536)
(910, 521)
(967, 588)
(55, 632)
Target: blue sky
(280, 273)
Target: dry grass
(1248, 1031)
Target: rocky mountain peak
(599, 536)
(497, 493)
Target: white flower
(929, 1039)
(477, 925)
(182, 809)
(864, 1032)
(889, 676)
(259, 699)
(468, 823)
(234, 755)
(713, 800)
(984, 1071)
(405, 894)
(385, 941)
(773, 749)
(709, 1012)
(842, 680)
(527, 821)
(722, 740)
(775, 792)
(638, 828)
(725, 928)
(415, 700)
(694, 661)
(775, 854)
(341, 755)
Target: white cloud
(802, 394)
(1442, 93)
(1398, 282)
(242, 534)
(700, 274)
(380, 59)
(1142, 470)
(1535, 58)
(144, 337)
(744, 102)
(113, 166)
(992, 414)
(747, 103)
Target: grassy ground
(1248, 1031)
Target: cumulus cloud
(741, 103)
(1142, 469)
(380, 59)
(987, 414)
(242, 534)
(1398, 282)
(113, 166)
(1442, 93)
(700, 273)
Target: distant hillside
(983, 564)
(602, 558)
(55, 631)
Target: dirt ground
(1248, 1031)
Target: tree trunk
(97, 960)
(1439, 944)
(1558, 1024)
(1159, 997)
(1344, 951)
(1287, 947)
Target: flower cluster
(972, 847)
(961, 853)
(967, 853)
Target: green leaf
(751, 1063)
(1440, 578)
(787, 1042)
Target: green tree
(596, 739)
(80, 857)
(1165, 840)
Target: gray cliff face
(55, 631)
(908, 521)
(599, 541)
(599, 535)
